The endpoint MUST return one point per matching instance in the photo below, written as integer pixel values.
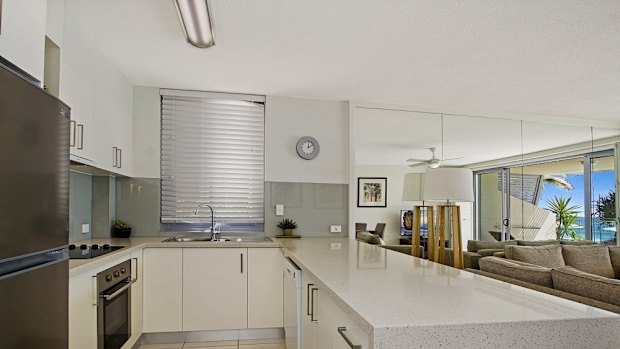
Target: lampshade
(412, 186)
(448, 184)
(196, 22)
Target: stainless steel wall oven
(114, 305)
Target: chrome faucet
(213, 232)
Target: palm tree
(565, 217)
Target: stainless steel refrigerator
(34, 213)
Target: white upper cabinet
(22, 34)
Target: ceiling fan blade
(452, 159)
(422, 164)
(416, 160)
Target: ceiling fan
(433, 162)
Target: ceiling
(550, 57)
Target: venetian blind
(212, 151)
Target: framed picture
(372, 192)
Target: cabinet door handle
(242, 263)
(120, 158)
(135, 268)
(114, 156)
(80, 128)
(94, 290)
(342, 331)
(312, 318)
(72, 133)
(308, 300)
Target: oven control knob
(83, 247)
(72, 247)
(94, 247)
(108, 278)
(116, 273)
(123, 271)
(106, 247)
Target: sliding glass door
(568, 199)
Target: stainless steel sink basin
(221, 239)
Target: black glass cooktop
(90, 251)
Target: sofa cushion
(577, 242)
(571, 280)
(489, 251)
(614, 256)
(549, 256)
(593, 259)
(501, 254)
(517, 270)
(369, 238)
(537, 242)
(475, 245)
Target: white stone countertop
(407, 302)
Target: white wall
(55, 20)
(287, 120)
(22, 36)
(146, 138)
(390, 214)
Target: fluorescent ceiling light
(196, 23)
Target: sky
(603, 182)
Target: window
(212, 152)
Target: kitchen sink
(195, 238)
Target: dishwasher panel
(292, 304)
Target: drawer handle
(342, 331)
(80, 129)
(72, 132)
(312, 318)
(308, 300)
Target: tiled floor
(241, 344)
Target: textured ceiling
(552, 58)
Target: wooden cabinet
(265, 287)
(163, 290)
(215, 292)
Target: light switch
(335, 228)
(85, 228)
(279, 210)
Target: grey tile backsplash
(80, 203)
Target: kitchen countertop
(407, 302)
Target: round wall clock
(307, 147)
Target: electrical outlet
(335, 246)
(279, 210)
(85, 228)
(335, 228)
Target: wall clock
(307, 147)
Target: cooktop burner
(85, 251)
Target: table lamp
(450, 185)
(412, 191)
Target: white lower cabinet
(309, 327)
(83, 311)
(200, 289)
(215, 289)
(265, 287)
(163, 290)
(136, 298)
(321, 319)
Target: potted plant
(120, 229)
(288, 225)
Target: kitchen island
(401, 301)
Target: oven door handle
(109, 297)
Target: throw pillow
(517, 270)
(593, 259)
(573, 281)
(614, 255)
(549, 256)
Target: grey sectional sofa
(589, 274)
